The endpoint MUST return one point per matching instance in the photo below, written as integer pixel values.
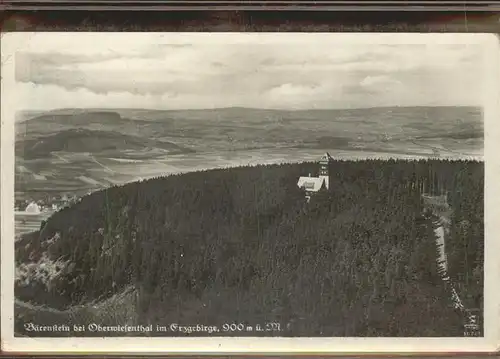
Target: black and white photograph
(219, 186)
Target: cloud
(60, 58)
(293, 95)
(278, 75)
(379, 82)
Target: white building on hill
(314, 184)
(33, 208)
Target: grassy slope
(119, 309)
(83, 140)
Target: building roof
(326, 157)
(312, 184)
(32, 208)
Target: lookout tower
(324, 169)
(315, 184)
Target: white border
(12, 42)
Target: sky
(280, 71)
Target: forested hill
(241, 245)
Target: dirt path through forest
(442, 211)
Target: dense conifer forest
(241, 245)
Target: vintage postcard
(250, 192)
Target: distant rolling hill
(90, 141)
(460, 128)
(74, 117)
(417, 118)
(33, 124)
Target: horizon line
(245, 108)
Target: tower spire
(324, 168)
